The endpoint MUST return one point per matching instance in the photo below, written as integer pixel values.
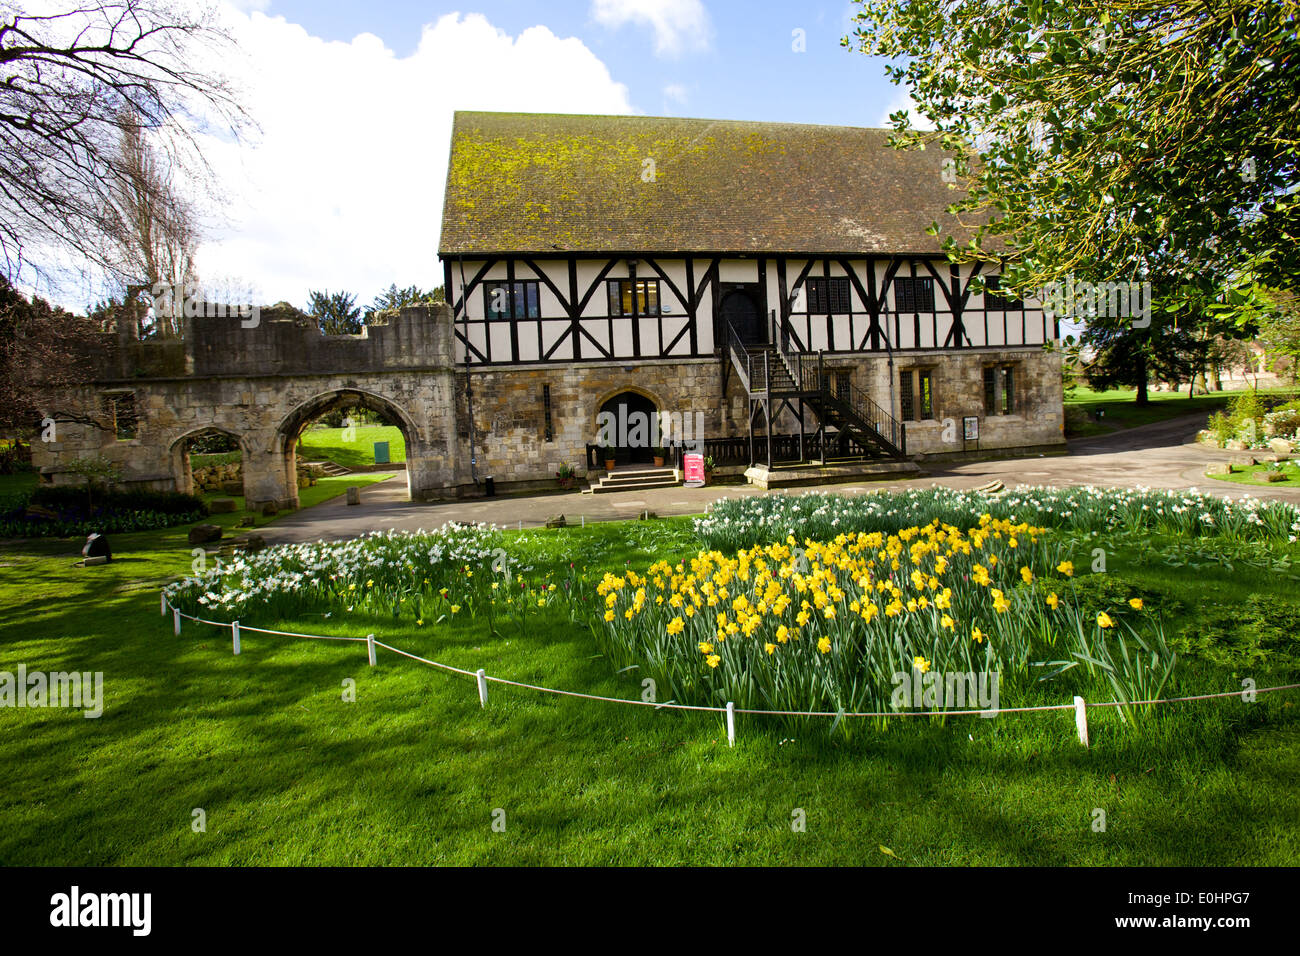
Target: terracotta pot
(659, 462)
(609, 464)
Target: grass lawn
(412, 771)
(318, 444)
(1120, 410)
(220, 458)
(1254, 475)
(323, 490)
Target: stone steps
(633, 479)
(330, 468)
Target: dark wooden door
(741, 305)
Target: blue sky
(742, 67)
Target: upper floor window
(633, 296)
(519, 300)
(914, 295)
(828, 296)
(993, 298)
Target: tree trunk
(1142, 397)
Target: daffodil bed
(741, 522)
(424, 577)
(830, 626)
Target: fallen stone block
(221, 506)
(204, 533)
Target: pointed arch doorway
(632, 416)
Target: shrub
(66, 497)
(112, 512)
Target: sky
(341, 186)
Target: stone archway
(290, 430)
(179, 454)
(635, 417)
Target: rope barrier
(729, 710)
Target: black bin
(490, 485)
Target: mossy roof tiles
(539, 183)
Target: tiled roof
(536, 183)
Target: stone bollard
(354, 495)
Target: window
(828, 296)
(999, 390)
(843, 381)
(916, 394)
(520, 300)
(548, 433)
(994, 300)
(621, 299)
(914, 295)
(120, 407)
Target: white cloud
(343, 187)
(678, 25)
(674, 95)
(903, 101)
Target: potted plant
(608, 453)
(708, 469)
(659, 455)
(565, 475)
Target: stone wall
(264, 384)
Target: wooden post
(731, 724)
(234, 633)
(176, 621)
(482, 687)
(1081, 720)
(370, 648)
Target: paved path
(1162, 455)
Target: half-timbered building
(779, 282)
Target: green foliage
(1069, 135)
(337, 313)
(394, 298)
